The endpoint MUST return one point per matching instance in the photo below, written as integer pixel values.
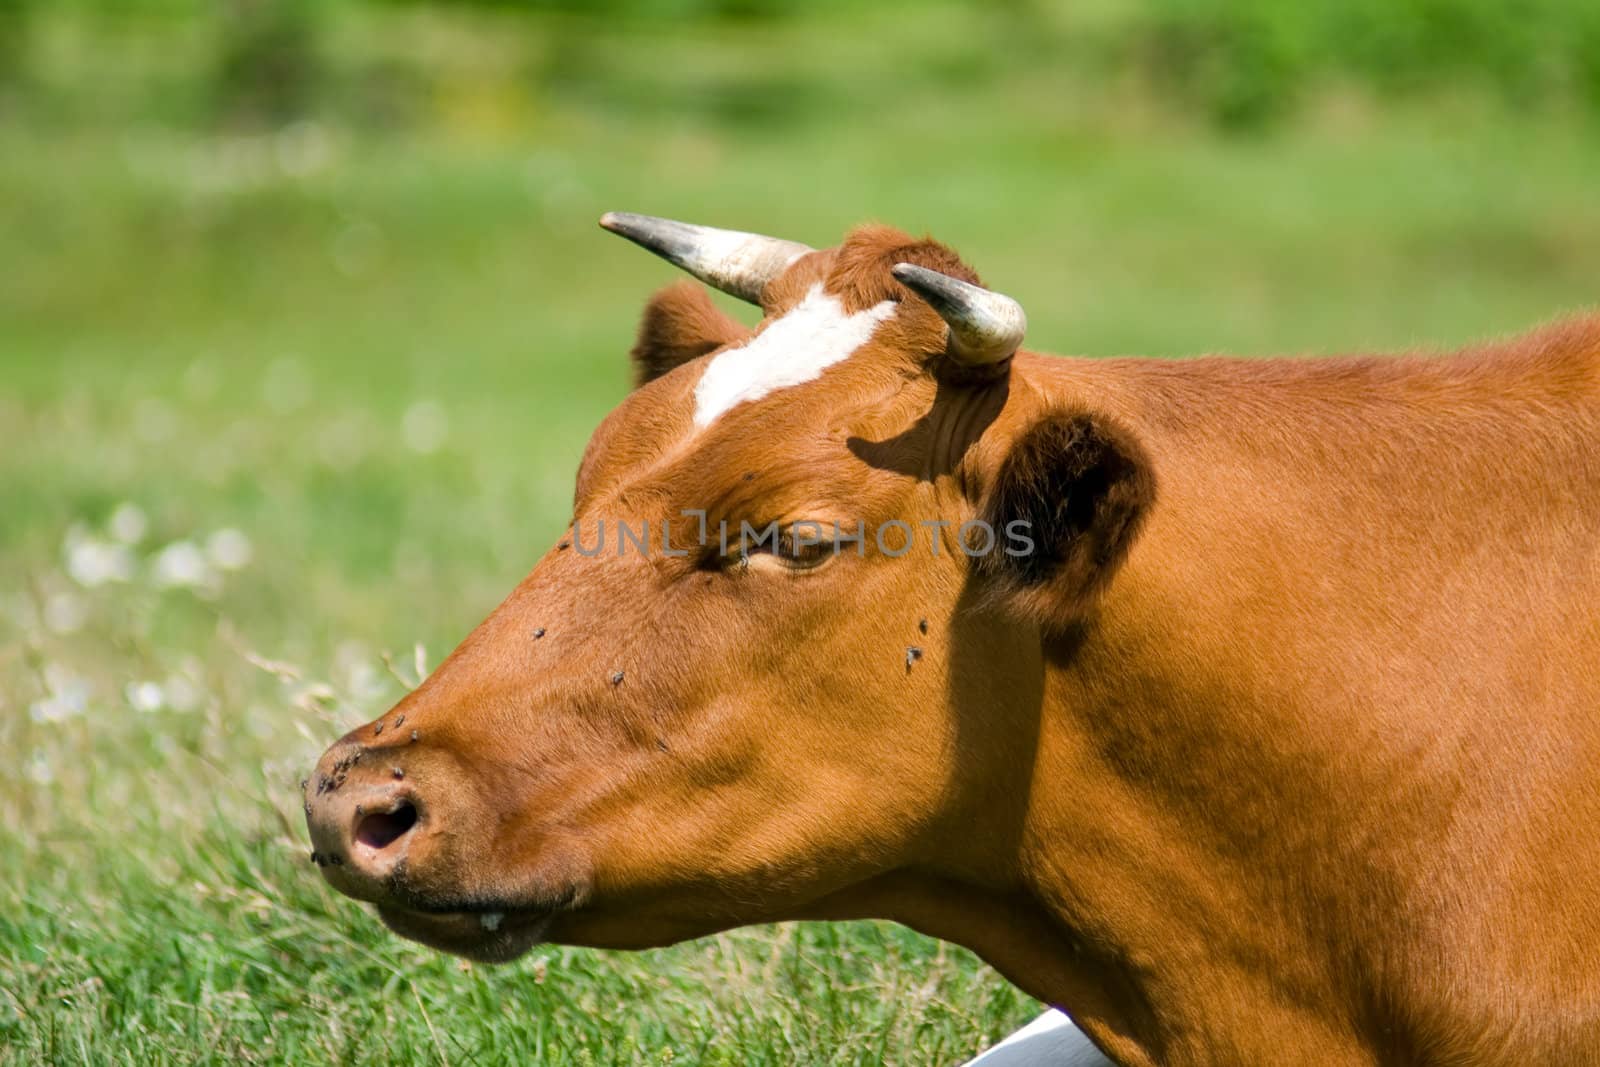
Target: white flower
(48, 710)
(356, 672)
(128, 523)
(181, 564)
(92, 562)
(424, 427)
(66, 696)
(20, 609)
(153, 420)
(143, 696)
(285, 386)
(65, 613)
(302, 148)
(342, 442)
(228, 549)
(182, 693)
(39, 770)
(200, 380)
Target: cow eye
(791, 552)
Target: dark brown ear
(1067, 504)
(680, 323)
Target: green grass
(257, 332)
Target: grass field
(284, 414)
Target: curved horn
(985, 327)
(740, 264)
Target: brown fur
(1082, 486)
(1312, 775)
(679, 324)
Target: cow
(1246, 710)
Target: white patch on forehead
(814, 335)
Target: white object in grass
(1052, 1039)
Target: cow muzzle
(388, 829)
(364, 819)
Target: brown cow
(1278, 741)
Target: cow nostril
(381, 829)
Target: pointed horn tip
(985, 326)
(738, 263)
(632, 225)
(910, 274)
(930, 284)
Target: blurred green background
(305, 320)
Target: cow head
(791, 649)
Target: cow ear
(1067, 503)
(679, 324)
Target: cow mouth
(486, 936)
(484, 926)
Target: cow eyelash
(787, 551)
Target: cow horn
(740, 264)
(985, 327)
